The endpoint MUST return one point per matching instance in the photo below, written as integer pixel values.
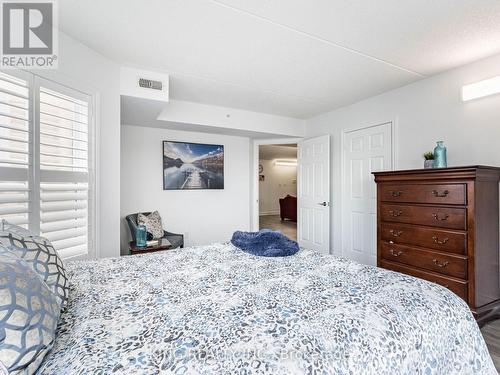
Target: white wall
(423, 112)
(211, 116)
(204, 216)
(279, 181)
(84, 69)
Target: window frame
(34, 82)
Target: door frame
(394, 154)
(254, 177)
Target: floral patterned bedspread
(218, 310)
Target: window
(46, 161)
(14, 149)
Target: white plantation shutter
(15, 134)
(63, 123)
(45, 161)
(14, 202)
(64, 132)
(64, 216)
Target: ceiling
(270, 152)
(288, 57)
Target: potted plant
(429, 160)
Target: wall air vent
(150, 84)
(143, 84)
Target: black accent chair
(177, 240)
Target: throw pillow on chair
(153, 224)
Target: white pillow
(153, 224)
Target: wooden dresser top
(481, 172)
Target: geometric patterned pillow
(5, 226)
(29, 313)
(153, 224)
(39, 253)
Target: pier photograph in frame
(192, 166)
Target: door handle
(396, 194)
(324, 204)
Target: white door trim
(254, 177)
(394, 152)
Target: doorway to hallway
(278, 188)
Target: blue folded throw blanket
(265, 243)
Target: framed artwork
(192, 166)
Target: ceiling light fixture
(480, 89)
(286, 163)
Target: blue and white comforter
(217, 310)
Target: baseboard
(269, 213)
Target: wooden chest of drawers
(442, 225)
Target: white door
(313, 193)
(365, 151)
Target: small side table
(163, 245)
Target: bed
(215, 309)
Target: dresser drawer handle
(444, 218)
(445, 285)
(393, 253)
(396, 194)
(437, 194)
(440, 242)
(396, 233)
(396, 213)
(440, 264)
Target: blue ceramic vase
(440, 156)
